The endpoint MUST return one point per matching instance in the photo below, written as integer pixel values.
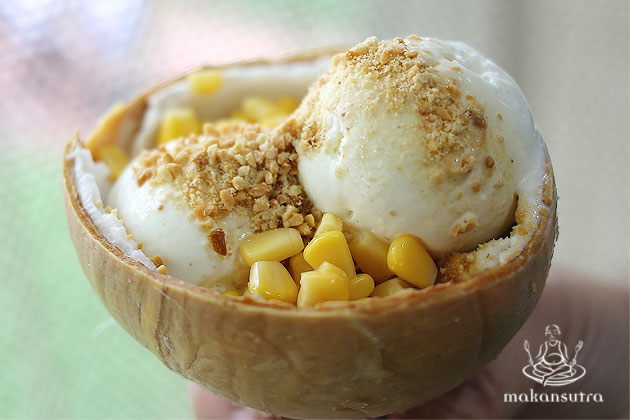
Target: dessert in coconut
(322, 237)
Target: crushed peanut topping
(233, 166)
(399, 80)
(217, 240)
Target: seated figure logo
(552, 365)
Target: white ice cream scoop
(418, 136)
(162, 220)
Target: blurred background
(63, 63)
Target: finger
(207, 405)
(479, 398)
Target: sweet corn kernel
(205, 81)
(102, 135)
(273, 121)
(286, 104)
(272, 245)
(178, 122)
(326, 283)
(266, 112)
(408, 259)
(270, 280)
(297, 266)
(370, 254)
(329, 222)
(116, 160)
(332, 247)
(361, 286)
(257, 108)
(390, 287)
(232, 292)
(238, 115)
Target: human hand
(588, 309)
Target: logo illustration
(552, 365)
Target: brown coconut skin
(339, 360)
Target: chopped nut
(304, 229)
(260, 204)
(243, 171)
(164, 174)
(161, 269)
(217, 240)
(238, 182)
(227, 199)
(295, 220)
(259, 190)
(310, 220)
(240, 159)
(143, 177)
(442, 113)
(269, 178)
(201, 159)
(464, 164)
(294, 190)
(251, 161)
(241, 197)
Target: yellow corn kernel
(331, 247)
(390, 287)
(205, 81)
(232, 292)
(178, 122)
(104, 133)
(361, 286)
(408, 259)
(238, 115)
(286, 104)
(270, 280)
(116, 160)
(297, 266)
(370, 254)
(257, 108)
(273, 121)
(272, 245)
(326, 283)
(329, 222)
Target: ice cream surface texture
(416, 136)
(192, 201)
